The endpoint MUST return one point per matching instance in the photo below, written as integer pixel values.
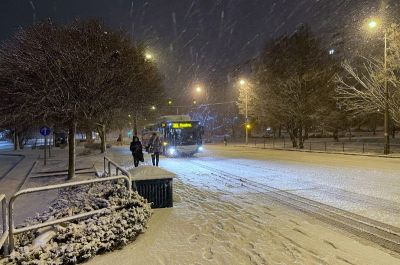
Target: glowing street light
(199, 89)
(373, 24)
(153, 107)
(148, 56)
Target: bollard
(310, 146)
(284, 144)
(264, 143)
(363, 148)
(273, 142)
(325, 146)
(343, 147)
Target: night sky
(199, 41)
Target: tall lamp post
(242, 83)
(373, 24)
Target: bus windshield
(184, 136)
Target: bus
(180, 135)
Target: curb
(322, 152)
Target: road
(4, 145)
(239, 205)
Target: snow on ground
(217, 222)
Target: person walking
(137, 151)
(155, 148)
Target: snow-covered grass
(76, 241)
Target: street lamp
(373, 24)
(148, 56)
(242, 83)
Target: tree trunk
(305, 133)
(336, 135)
(71, 151)
(16, 140)
(393, 132)
(21, 141)
(103, 139)
(350, 134)
(292, 134)
(301, 137)
(121, 137)
(135, 130)
(280, 131)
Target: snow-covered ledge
(150, 173)
(154, 184)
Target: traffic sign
(45, 130)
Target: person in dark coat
(137, 151)
(155, 146)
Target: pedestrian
(154, 148)
(225, 140)
(119, 140)
(137, 151)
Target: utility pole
(247, 118)
(386, 150)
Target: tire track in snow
(232, 224)
(384, 235)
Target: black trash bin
(156, 191)
(154, 184)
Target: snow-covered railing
(4, 236)
(107, 169)
(14, 231)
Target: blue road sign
(45, 130)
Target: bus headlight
(171, 151)
(200, 149)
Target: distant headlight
(165, 143)
(171, 151)
(200, 148)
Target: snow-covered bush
(79, 240)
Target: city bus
(180, 135)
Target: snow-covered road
(224, 215)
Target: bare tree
(362, 92)
(294, 76)
(78, 73)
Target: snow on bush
(79, 240)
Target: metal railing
(327, 146)
(14, 231)
(4, 236)
(107, 169)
